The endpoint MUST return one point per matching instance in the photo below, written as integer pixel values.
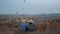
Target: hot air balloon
(24, 0)
(16, 12)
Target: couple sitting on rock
(26, 25)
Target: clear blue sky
(29, 7)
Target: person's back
(23, 26)
(31, 27)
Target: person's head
(30, 23)
(23, 20)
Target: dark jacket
(31, 27)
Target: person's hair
(30, 23)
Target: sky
(29, 7)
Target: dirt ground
(42, 32)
